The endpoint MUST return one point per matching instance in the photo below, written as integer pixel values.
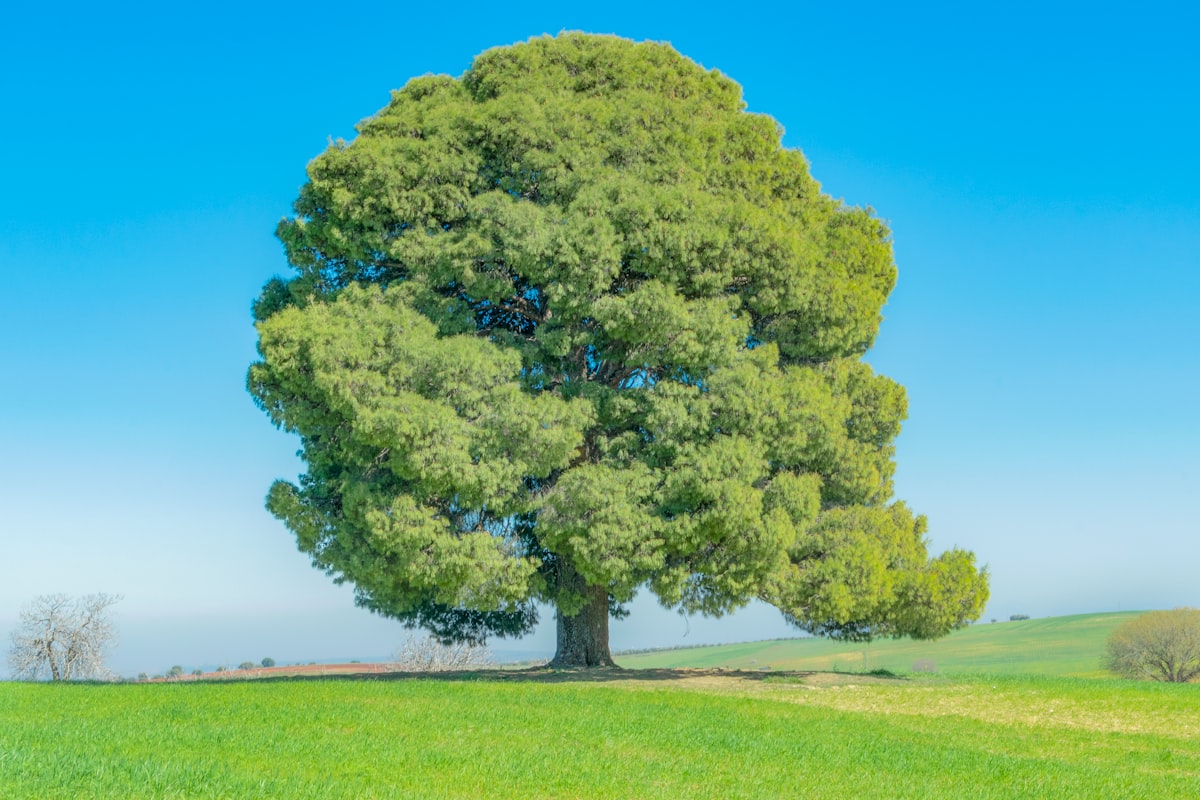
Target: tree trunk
(47, 646)
(583, 638)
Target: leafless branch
(63, 638)
(426, 654)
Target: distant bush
(1018, 617)
(197, 671)
(1160, 646)
(246, 665)
(175, 671)
(268, 662)
(924, 665)
(427, 654)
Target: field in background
(1064, 646)
(1067, 646)
(605, 734)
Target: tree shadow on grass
(585, 675)
(598, 675)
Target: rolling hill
(1065, 646)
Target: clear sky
(1037, 163)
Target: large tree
(575, 324)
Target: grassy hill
(1062, 646)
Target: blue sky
(1036, 162)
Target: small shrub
(427, 654)
(1160, 646)
(268, 662)
(246, 665)
(1018, 617)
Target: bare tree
(1159, 645)
(63, 638)
(427, 654)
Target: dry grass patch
(1111, 707)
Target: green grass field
(603, 736)
(1064, 646)
(649, 733)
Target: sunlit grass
(1072, 646)
(820, 737)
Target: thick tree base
(583, 638)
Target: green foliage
(268, 662)
(578, 313)
(993, 739)
(1159, 645)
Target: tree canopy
(576, 323)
